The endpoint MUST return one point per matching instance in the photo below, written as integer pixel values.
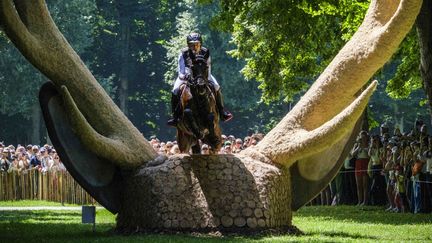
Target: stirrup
(226, 116)
(172, 122)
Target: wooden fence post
(51, 186)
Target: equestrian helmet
(194, 38)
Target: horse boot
(175, 100)
(224, 115)
(192, 124)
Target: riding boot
(175, 100)
(224, 115)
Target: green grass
(34, 203)
(320, 224)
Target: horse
(200, 116)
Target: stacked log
(202, 191)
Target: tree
(20, 82)
(127, 51)
(424, 33)
(264, 31)
(282, 42)
(241, 96)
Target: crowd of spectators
(382, 169)
(45, 158)
(387, 169)
(230, 145)
(31, 157)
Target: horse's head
(200, 74)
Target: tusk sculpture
(258, 188)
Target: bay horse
(200, 116)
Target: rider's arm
(212, 79)
(181, 67)
(209, 66)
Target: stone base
(206, 192)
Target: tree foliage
(286, 44)
(242, 97)
(19, 81)
(265, 54)
(149, 24)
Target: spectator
(384, 130)
(423, 138)
(238, 146)
(246, 142)
(35, 157)
(226, 149)
(224, 139)
(168, 147)
(400, 197)
(46, 160)
(29, 150)
(156, 146)
(348, 193)
(28, 157)
(205, 149)
(378, 185)
(361, 167)
(416, 170)
(407, 164)
(57, 165)
(231, 138)
(4, 160)
(391, 162)
(428, 173)
(175, 150)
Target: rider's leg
(175, 109)
(224, 115)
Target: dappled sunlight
(318, 223)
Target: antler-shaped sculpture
(259, 187)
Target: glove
(187, 76)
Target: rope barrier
(354, 171)
(425, 182)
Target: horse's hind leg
(196, 149)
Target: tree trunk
(365, 125)
(36, 123)
(124, 64)
(424, 25)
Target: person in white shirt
(186, 57)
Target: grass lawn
(34, 203)
(320, 224)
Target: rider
(186, 56)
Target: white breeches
(212, 80)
